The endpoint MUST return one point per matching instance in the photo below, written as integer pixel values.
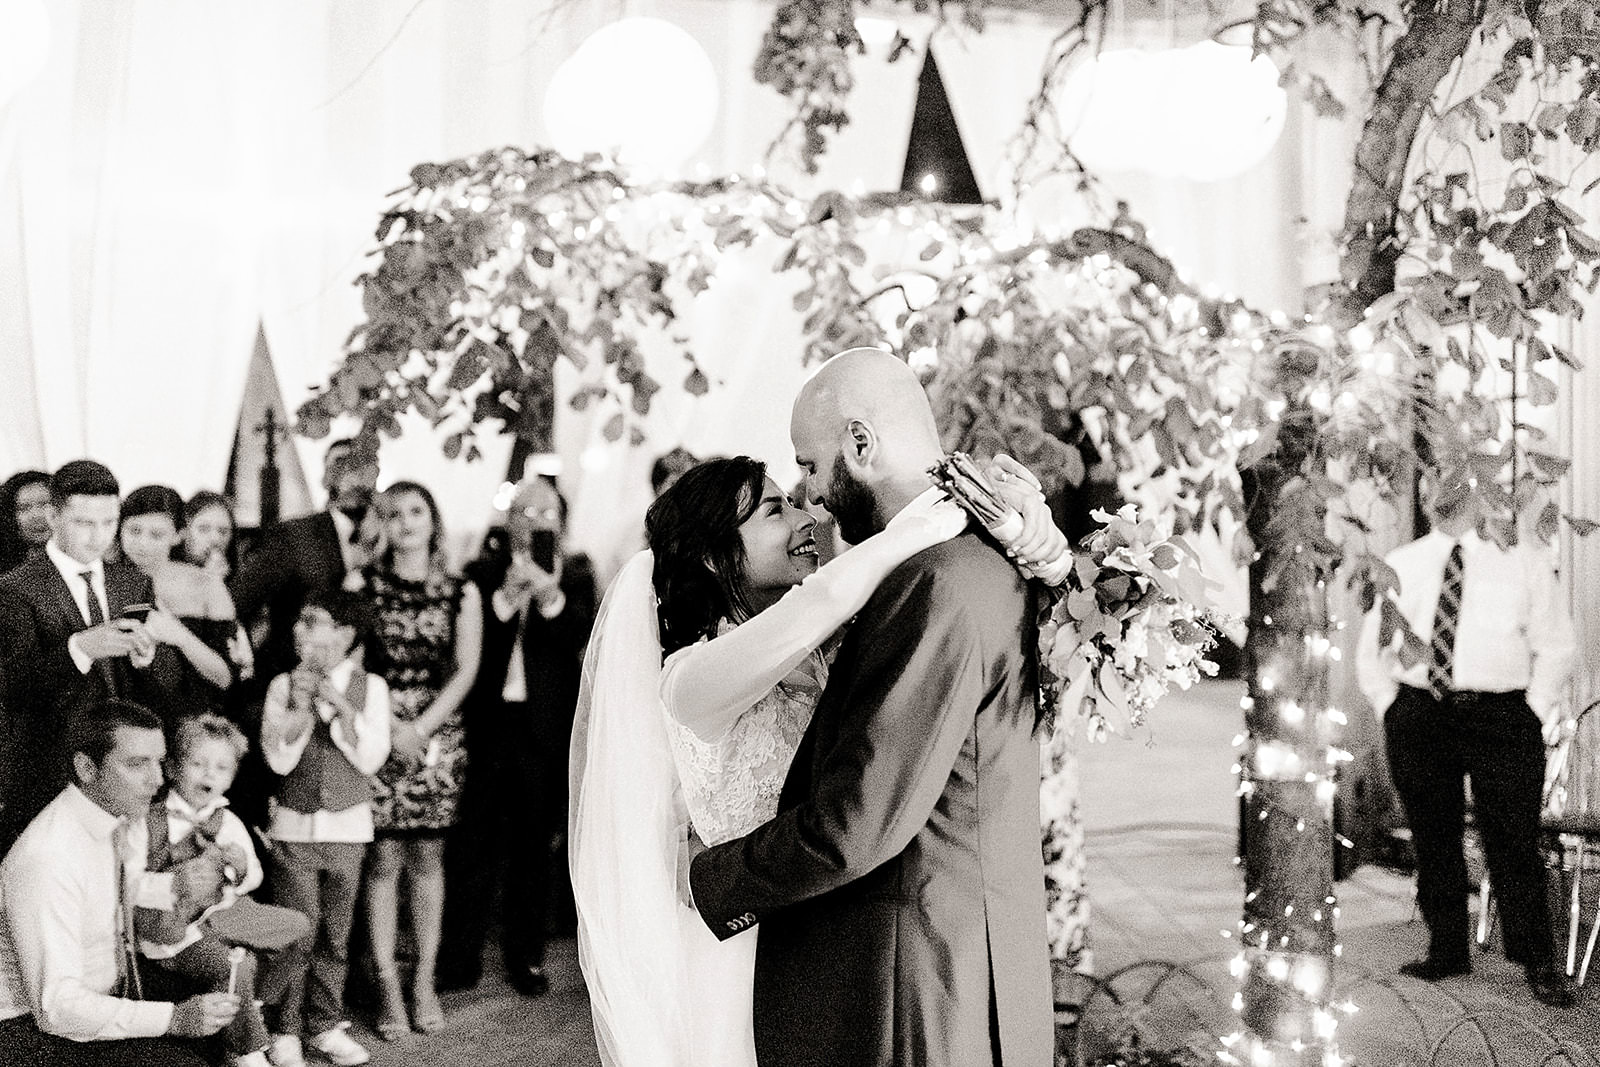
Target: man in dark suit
(538, 609)
(295, 559)
(900, 889)
(305, 555)
(65, 646)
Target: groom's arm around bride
(899, 891)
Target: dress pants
(23, 1044)
(512, 809)
(320, 880)
(1493, 738)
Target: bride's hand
(930, 519)
(1040, 541)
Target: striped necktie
(1441, 666)
(128, 984)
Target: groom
(900, 887)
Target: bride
(708, 656)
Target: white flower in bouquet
(1133, 623)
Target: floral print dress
(416, 625)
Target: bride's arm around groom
(899, 890)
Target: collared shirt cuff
(80, 659)
(557, 605)
(504, 609)
(153, 1018)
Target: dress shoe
(1550, 986)
(529, 981)
(1433, 968)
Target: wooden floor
(1163, 886)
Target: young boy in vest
(195, 940)
(325, 729)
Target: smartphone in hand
(542, 548)
(136, 612)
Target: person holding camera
(72, 634)
(194, 612)
(538, 607)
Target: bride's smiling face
(779, 549)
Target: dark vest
(168, 927)
(324, 779)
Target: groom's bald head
(864, 433)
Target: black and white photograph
(799, 533)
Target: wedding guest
(65, 645)
(24, 516)
(1500, 647)
(429, 630)
(208, 533)
(194, 612)
(325, 729)
(69, 989)
(538, 608)
(195, 940)
(306, 555)
(295, 560)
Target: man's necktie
(96, 615)
(1441, 666)
(128, 984)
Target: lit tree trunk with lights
(1290, 766)
(1286, 931)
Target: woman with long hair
(429, 633)
(24, 516)
(710, 652)
(193, 611)
(208, 533)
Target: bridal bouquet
(1134, 622)
(1130, 619)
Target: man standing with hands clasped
(1498, 650)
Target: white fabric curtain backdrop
(186, 171)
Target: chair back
(1572, 774)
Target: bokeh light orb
(1205, 113)
(641, 88)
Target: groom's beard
(851, 504)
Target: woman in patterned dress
(429, 635)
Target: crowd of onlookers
(233, 776)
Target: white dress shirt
(181, 821)
(346, 529)
(72, 573)
(366, 753)
(1514, 630)
(58, 925)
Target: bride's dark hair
(693, 530)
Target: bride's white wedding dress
(704, 739)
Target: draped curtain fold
(186, 172)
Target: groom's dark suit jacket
(900, 890)
(43, 691)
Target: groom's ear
(860, 445)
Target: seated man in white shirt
(69, 985)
